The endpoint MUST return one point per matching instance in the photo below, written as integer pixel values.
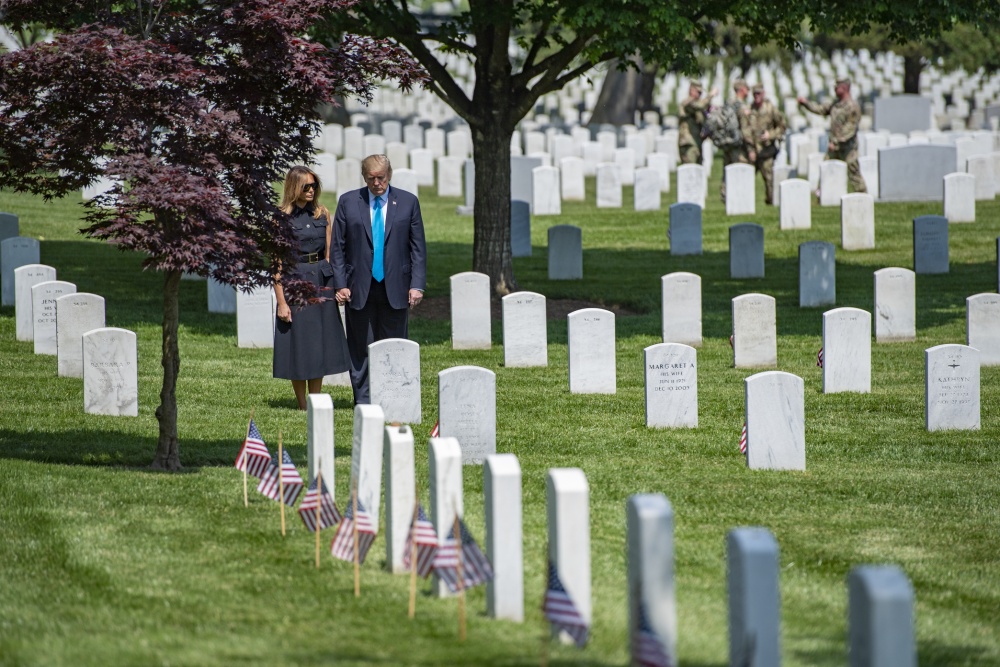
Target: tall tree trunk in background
(619, 97)
(913, 65)
(167, 452)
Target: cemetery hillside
(706, 429)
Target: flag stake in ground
(543, 659)
(281, 483)
(319, 505)
(354, 528)
(461, 580)
(246, 466)
(413, 554)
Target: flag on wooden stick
(743, 439)
(559, 609)
(329, 515)
(286, 476)
(253, 457)
(819, 358)
(647, 649)
(436, 431)
(342, 546)
(423, 536)
(476, 566)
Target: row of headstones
(395, 140)
(70, 325)
(880, 607)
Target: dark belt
(310, 258)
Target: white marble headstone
(982, 326)
(26, 277)
(775, 416)
(405, 179)
(981, 168)
(568, 508)
(366, 458)
(951, 388)
(504, 548)
(650, 539)
(471, 324)
(400, 492)
(795, 208)
(752, 569)
(746, 250)
(647, 189)
(545, 187)
(255, 318)
(565, 248)
(847, 351)
(857, 221)
(660, 162)
(571, 178)
(624, 158)
(221, 297)
(467, 410)
(591, 335)
(110, 373)
(422, 164)
(832, 182)
(895, 305)
(434, 141)
(348, 175)
(43, 313)
(960, 197)
(15, 251)
(740, 196)
(681, 308)
(880, 628)
(671, 386)
(755, 339)
(394, 379)
(525, 331)
(445, 470)
(691, 184)
(76, 314)
(319, 439)
(449, 176)
(354, 143)
(10, 226)
(609, 186)
(817, 274)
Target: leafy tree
(564, 39)
(194, 108)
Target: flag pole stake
(319, 505)
(281, 483)
(546, 629)
(357, 563)
(461, 580)
(413, 556)
(246, 502)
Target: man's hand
(343, 295)
(415, 297)
(753, 156)
(800, 99)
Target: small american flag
(253, 454)
(436, 431)
(290, 479)
(342, 546)
(329, 515)
(647, 649)
(743, 439)
(558, 607)
(423, 535)
(476, 568)
(819, 358)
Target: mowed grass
(105, 562)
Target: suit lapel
(365, 212)
(390, 211)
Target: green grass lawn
(105, 562)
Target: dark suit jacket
(404, 257)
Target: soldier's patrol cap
(758, 88)
(843, 82)
(697, 85)
(739, 83)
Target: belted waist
(310, 258)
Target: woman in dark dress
(309, 342)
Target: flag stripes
(819, 358)
(423, 535)
(290, 479)
(743, 439)
(476, 567)
(647, 649)
(253, 454)
(329, 515)
(559, 609)
(342, 546)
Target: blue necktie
(378, 240)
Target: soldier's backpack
(723, 126)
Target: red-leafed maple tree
(194, 108)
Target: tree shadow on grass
(91, 447)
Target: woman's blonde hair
(295, 181)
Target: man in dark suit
(379, 263)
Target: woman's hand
(284, 313)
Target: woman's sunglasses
(308, 186)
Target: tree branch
(536, 45)
(441, 79)
(557, 61)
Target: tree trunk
(912, 66)
(619, 97)
(491, 252)
(167, 454)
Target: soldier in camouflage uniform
(737, 153)
(845, 114)
(766, 130)
(693, 112)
